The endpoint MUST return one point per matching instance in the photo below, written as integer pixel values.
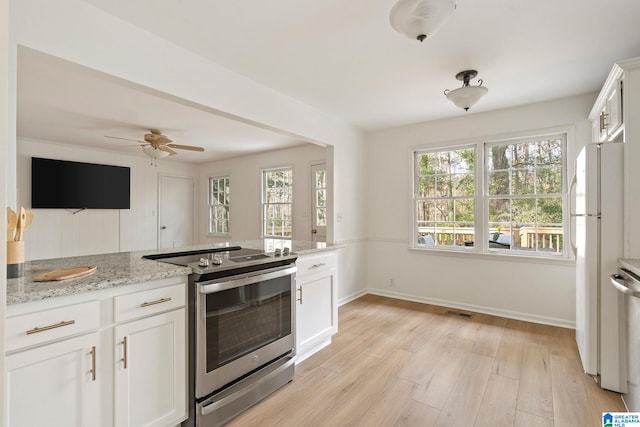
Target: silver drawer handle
(160, 301)
(622, 287)
(46, 328)
(321, 264)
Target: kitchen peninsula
(113, 344)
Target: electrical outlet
(392, 283)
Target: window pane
(498, 157)
(464, 211)
(443, 186)
(463, 185)
(427, 186)
(219, 205)
(499, 183)
(522, 182)
(321, 217)
(444, 210)
(549, 181)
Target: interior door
(176, 212)
(319, 203)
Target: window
(524, 194)
(277, 203)
(445, 190)
(219, 205)
(515, 197)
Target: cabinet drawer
(32, 329)
(145, 303)
(315, 263)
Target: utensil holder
(15, 259)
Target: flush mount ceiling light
(419, 19)
(156, 154)
(466, 96)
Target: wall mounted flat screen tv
(61, 184)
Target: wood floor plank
(524, 419)
(508, 360)
(569, 394)
(498, 406)
(417, 414)
(534, 393)
(468, 392)
(440, 379)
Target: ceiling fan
(157, 145)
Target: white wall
(245, 174)
(59, 233)
(543, 292)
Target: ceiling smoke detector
(420, 19)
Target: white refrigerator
(598, 214)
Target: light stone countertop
(125, 268)
(633, 265)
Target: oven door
(242, 323)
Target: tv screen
(62, 184)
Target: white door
(151, 371)
(176, 212)
(54, 385)
(319, 203)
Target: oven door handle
(618, 282)
(230, 283)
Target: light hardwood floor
(399, 363)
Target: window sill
(461, 252)
(218, 234)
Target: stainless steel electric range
(241, 328)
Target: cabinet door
(54, 385)
(614, 111)
(151, 371)
(316, 311)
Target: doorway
(319, 203)
(176, 211)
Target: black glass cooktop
(232, 253)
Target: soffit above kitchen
(63, 102)
(344, 58)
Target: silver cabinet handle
(300, 292)
(49, 327)
(622, 287)
(318, 265)
(159, 301)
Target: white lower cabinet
(54, 385)
(65, 365)
(316, 308)
(150, 380)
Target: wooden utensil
(12, 222)
(22, 220)
(28, 221)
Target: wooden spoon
(22, 220)
(12, 222)
(28, 221)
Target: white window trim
(209, 232)
(481, 250)
(262, 203)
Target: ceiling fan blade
(125, 139)
(185, 147)
(167, 149)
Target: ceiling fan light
(156, 154)
(420, 19)
(466, 96)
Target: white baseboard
(352, 297)
(470, 307)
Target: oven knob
(204, 262)
(217, 260)
(254, 359)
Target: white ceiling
(343, 57)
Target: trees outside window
(219, 205)
(277, 203)
(515, 197)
